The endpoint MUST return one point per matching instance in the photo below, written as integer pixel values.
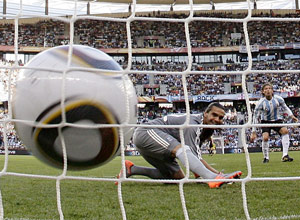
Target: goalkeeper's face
(214, 117)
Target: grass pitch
(35, 198)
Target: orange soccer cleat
(128, 165)
(234, 175)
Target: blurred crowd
(197, 84)
(213, 84)
(163, 34)
(159, 34)
(13, 141)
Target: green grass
(35, 198)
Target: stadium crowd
(198, 84)
(213, 84)
(108, 34)
(156, 34)
(207, 84)
(13, 141)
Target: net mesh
(129, 70)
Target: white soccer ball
(86, 100)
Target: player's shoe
(287, 158)
(266, 160)
(128, 165)
(234, 175)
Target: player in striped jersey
(268, 111)
(161, 146)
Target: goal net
(185, 33)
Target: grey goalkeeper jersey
(192, 135)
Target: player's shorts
(156, 147)
(268, 129)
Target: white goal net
(187, 24)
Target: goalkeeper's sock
(131, 169)
(285, 139)
(152, 173)
(196, 166)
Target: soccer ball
(59, 106)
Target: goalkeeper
(161, 146)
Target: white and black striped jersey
(270, 110)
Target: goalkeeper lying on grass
(161, 146)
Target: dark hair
(266, 84)
(263, 87)
(214, 104)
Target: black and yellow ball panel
(76, 111)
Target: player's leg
(198, 167)
(153, 145)
(265, 144)
(285, 140)
(195, 165)
(163, 169)
(160, 150)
